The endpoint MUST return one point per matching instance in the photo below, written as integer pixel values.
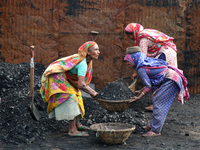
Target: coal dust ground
(20, 131)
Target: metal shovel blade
(34, 112)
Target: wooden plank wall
(58, 27)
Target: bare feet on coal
(149, 108)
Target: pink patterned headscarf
(135, 28)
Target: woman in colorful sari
(62, 82)
(153, 43)
(169, 80)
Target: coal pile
(17, 125)
(115, 91)
(16, 122)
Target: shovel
(94, 33)
(34, 112)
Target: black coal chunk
(115, 91)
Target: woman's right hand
(133, 99)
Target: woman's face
(94, 53)
(131, 36)
(129, 64)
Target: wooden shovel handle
(32, 71)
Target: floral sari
(58, 84)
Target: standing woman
(62, 82)
(153, 43)
(169, 80)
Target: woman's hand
(94, 93)
(85, 88)
(135, 98)
(134, 75)
(137, 92)
(95, 97)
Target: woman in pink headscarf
(153, 43)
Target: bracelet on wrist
(143, 93)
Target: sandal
(83, 128)
(151, 134)
(147, 127)
(80, 134)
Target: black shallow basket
(114, 105)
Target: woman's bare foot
(149, 108)
(147, 127)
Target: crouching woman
(156, 72)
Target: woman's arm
(144, 45)
(138, 92)
(84, 87)
(142, 73)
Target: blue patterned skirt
(162, 100)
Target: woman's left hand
(135, 98)
(95, 97)
(134, 75)
(137, 92)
